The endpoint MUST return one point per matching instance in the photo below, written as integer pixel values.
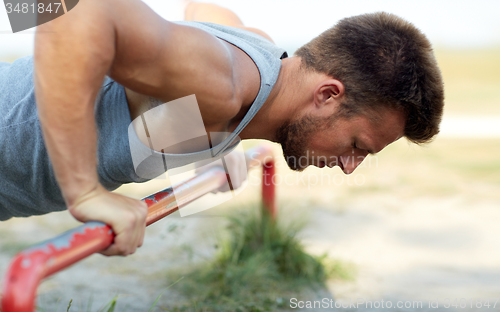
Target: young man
(356, 88)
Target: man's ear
(328, 92)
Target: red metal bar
(268, 188)
(30, 266)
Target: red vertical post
(268, 187)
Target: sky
(448, 23)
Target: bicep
(174, 61)
(195, 60)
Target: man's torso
(27, 182)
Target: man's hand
(125, 215)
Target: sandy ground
(422, 250)
(426, 250)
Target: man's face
(338, 141)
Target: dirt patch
(422, 227)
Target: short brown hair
(382, 60)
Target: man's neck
(285, 101)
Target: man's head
(338, 141)
(378, 69)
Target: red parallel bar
(268, 188)
(30, 266)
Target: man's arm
(212, 13)
(72, 55)
(128, 41)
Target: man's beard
(294, 136)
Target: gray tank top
(27, 182)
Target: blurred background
(416, 222)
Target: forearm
(72, 55)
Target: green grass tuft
(260, 264)
(110, 307)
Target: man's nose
(351, 162)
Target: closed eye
(356, 147)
